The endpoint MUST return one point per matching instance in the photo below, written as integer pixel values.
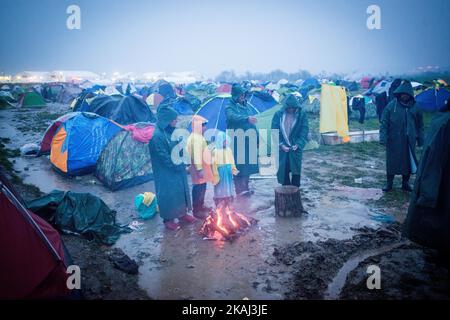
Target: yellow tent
(333, 111)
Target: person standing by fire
(200, 168)
(171, 183)
(240, 116)
(401, 128)
(292, 125)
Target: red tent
(31, 252)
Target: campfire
(223, 223)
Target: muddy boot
(405, 183)
(389, 183)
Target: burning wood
(225, 224)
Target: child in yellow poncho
(223, 169)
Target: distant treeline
(276, 75)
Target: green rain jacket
(428, 219)
(237, 118)
(172, 191)
(298, 136)
(400, 129)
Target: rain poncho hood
(291, 101)
(236, 91)
(165, 116)
(406, 88)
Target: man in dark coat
(292, 124)
(172, 191)
(400, 129)
(240, 116)
(428, 219)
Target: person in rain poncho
(428, 219)
(172, 191)
(200, 168)
(240, 116)
(292, 125)
(224, 169)
(400, 129)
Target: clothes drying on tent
(81, 213)
(333, 110)
(433, 99)
(358, 103)
(31, 252)
(125, 162)
(78, 142)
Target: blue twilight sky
(213, 35)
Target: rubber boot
(389, 183)
(405, 183)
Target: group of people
(216, 164)
(401, 130)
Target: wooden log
(288, 201)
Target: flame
(224, 224)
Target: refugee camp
(225, 150)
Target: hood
(291, 101)
(220, 138)
(236, 91)
(165, 116)
(405, 87)
(197, 122)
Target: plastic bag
(146, 205)
(29, 149)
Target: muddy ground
(322, 255)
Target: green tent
(32, 100)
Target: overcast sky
(208, 36)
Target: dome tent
(32, 254)
(78, 142)
(121, 109)
(124, 162)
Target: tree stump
(288, 201)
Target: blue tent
(261, 101)
(183, 106)
(214, 109)
(432, 99)
(78, 142)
